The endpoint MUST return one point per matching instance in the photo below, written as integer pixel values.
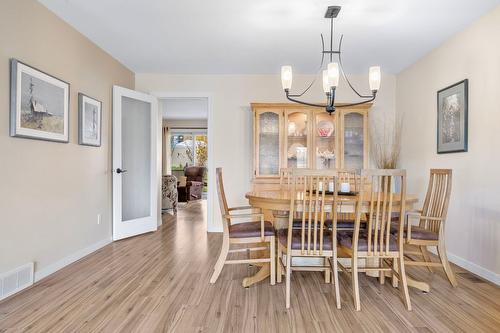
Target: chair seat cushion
(250, 229)
(417, 233)
(345, 239)
(297, 239)
(341, 224)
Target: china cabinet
(290, 136)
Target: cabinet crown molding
(295, 106)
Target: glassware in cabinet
(297, 139)
(354, 140)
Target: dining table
(277, 202)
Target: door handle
(121, 170)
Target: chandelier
(332, 74)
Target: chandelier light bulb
(286, 77)
(374, 78)
(333, 74)
(326, 82)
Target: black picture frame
(449, 138)
(82, 98)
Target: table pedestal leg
(420, 285)
(424, 286)
(262, 274)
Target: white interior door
(136, 176)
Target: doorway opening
(185, 153)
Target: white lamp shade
(286, 77)
(326, 82)
(333, 74)
(374, 77)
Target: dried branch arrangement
(385, 144)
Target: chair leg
(427, 258)
(328, 273)
(404, 282)
(279, 271)
(220, 262)
(288, 279)
(272, 255)
(336, 280)
(446, 264)
(381, 274)
(355, 284)
(395, 268)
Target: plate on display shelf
(325, 128)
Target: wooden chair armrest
(250, 215)
(414, 212)
(243, 208)
(431, 218)
(236, 216)
(409, 225)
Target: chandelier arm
(319, 69)
(289, 97)
(372, 98)
(322, 53)
(344, 75)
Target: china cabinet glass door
(268, 144)
(297, 139)
(325, 141)
(354, 140)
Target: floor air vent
(16, 280)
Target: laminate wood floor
(158, 282)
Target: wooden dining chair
(313, 238)
(285, 177)
(257, 234)
(345, 220)
(430, 231)
(377, 242)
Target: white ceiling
(258, 36)
(184, 108)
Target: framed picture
(39, 104)
(89, 121)
(452, 118)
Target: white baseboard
(471, 267)
(54, 267)
(474, 268)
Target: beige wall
(473, 227)
(231, 120)
(51, 193)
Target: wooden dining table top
(280, 199)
